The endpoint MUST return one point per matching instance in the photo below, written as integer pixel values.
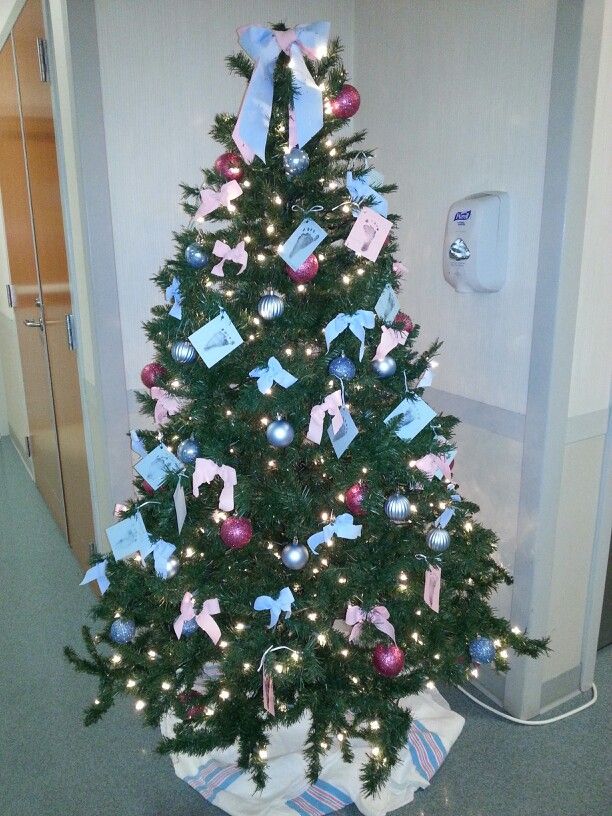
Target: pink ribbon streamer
(212, 200)
(389, 339)
(430, 463)
(431, 593)
(238, 255)
(204, 618)
(331, 405)
(166, 405)
(205, 471)
(268, 693)
(378, 616)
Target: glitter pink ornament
(388, 659)
(306, 272)
(230, 166)
(236, 532)
(346, 104)
(152, 373)
(353, 499)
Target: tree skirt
(218, 779)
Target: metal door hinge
(28, 446)
(70, 332)
(43, 59)
(92, 548)
(10, 295)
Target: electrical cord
(498, 713)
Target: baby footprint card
(368, 235)
(302, 243)
(128, 536)
(415, 415)
(216, 339)
(156, 465)
(345, 434)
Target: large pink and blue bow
(204, 618)
(264, 46)
(378, 616)
(276, 605)
(97, 573)
(331, 405)
(205, 470)
(162, 550)
(213, 199)
(237, 254)
(357, 323)
(166, 405)
(272, 373)
(342, 527)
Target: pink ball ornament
(346, 104)
(230, 166)
(353, 499)
(404, 322)
(236, 532)
(306, 272)
(388, 659)
(152, 373)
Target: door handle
(34, 324)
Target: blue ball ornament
(342, 367)
(280, 433)
(384, 368)
(122, 630)
(482, 650)
(188, 451)
(295, 162)
(190, 627)
(195, 256)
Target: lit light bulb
(224, 694)
(342, 580)
(263, 754)
(261, 257)
(246, 666)
(430, 684)
(247, 239)
(322, 640)
(361, 271)
(116, 658)
(139, 705)
(468, 527)
(374, 725)
(278, 667)
(288, 352)
(301, 288)
(515, 629)
(246, 183)
(264, 421)
(474, 672)
(223, 644)
(130, 683)
(277, 199)
(344, 652)
(152, 654)
(504, 654)
(270, 229)
(376, 751)
(346, 279)
(312, 616)
(166, 685)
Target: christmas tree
(297, 495)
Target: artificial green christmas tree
(310, 506)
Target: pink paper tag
(368, 235)
(433, 578)
(268, 693)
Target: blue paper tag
(216, 339)
(416, 414)
(128, 536)
(155, 466)
(302, 243)
(346, 433)
(387, 305)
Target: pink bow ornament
(238, 255)
(389, 339)
(331, 405)
(166, 405)
(378, 616)
(204, 618)
(213, 199)
(205, 471)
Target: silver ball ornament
(295, 162)
(295, 555)
(280, 433)
(183, 352)
(397, 508)
(271, 306)
(438, 539)
(384, 368)
(172, 566)
(188, 451)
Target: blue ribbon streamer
(359, 190)
(342, 527)
(273, 372)
(276, 605)
(97, 573)
(173, 294)
(162, 550)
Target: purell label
(462, 216)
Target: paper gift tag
(173, 295)
(431, 595)
(448, 457)
(128, 536)
(368, 234)
(387, 305)
(359, 188)
(155, 466)
(346, 433)
(302, 243)
(415, 414)
(216, 339)
(137, 444)
(180, 505)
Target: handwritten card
(156, 465)
(387, 305)
(415, 415)
(368, 235)
(345, 434)
(128, 536)
(302, 242)
(216, 339)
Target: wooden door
(27, 295)
(41, 158)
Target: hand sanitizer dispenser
(476, 243)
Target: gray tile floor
(50, 765)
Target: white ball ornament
(384, 368)
(280, 433)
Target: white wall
(3, 415)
